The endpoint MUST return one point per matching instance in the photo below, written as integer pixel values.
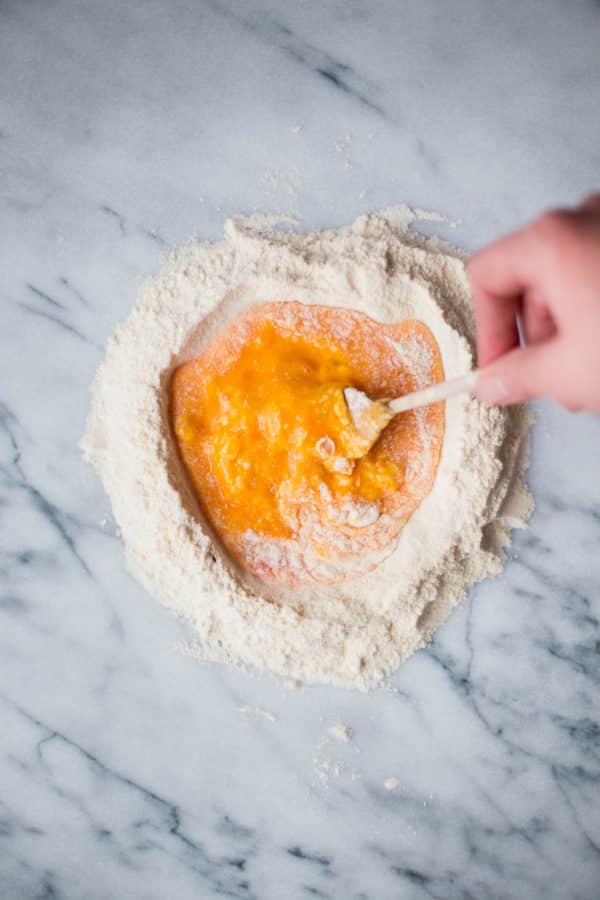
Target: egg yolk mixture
(265, 434)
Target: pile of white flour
(350, 634)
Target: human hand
(548, 274)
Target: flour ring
(351, 634)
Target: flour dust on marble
(354, 633)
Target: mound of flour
(354, 633)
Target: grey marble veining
(126, 768)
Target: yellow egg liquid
(264, 431)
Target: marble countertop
(128, 770)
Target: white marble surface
(126, 769)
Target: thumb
(520, 375)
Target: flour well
(352, 633)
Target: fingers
(537, 323)
(499, 276)
(548, 274)
(497, 331)
(591, 203)
(522, 374)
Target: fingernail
(491, 389)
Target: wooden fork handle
(464, 384)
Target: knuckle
(591, 201)
(559, 231)
(472, 267)
(554, 224)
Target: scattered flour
(326, 769)
(355, 633)
(255, 712)
(340, 732)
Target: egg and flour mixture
(244, 495)
(281, 472)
